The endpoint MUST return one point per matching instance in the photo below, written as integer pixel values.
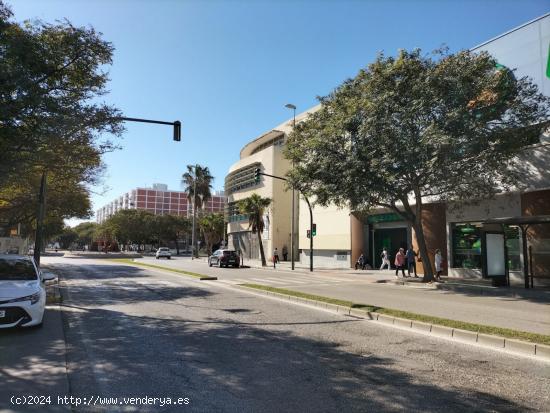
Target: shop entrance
(392, 239)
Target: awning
(521, 220)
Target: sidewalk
(474, 286)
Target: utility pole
(194, 212)
(311, 224)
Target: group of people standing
(402, 259)
(408, 259)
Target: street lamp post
(194, 212)
(292, 229)
(310, 218)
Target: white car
(163, 252)
(22, 291)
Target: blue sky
(227, 68)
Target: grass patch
(478, 328)
(160, 267)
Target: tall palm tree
(198, 183)
(197, 178)
(254, 206)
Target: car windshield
(164, 249)
(16, 269)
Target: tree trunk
(426, 263)
(262, 254)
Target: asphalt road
(524, 314)
(133, 332)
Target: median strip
(372, 311)
(201, 277)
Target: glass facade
(513, 248)
(466, 242)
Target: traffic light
(314, 232)
(177, 131)
(308, 233)
(257, 175)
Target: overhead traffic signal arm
(176, 124)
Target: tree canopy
(414, 127)
(198, 178)
(52, 77)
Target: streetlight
(312, 226)
(291, 106)
(194, 212)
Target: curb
(524, 348)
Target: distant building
(159, 201)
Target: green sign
(391, 217)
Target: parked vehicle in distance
(22, 291)
(163, 252)
(225, 258)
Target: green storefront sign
(391, 217)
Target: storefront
(386, 231)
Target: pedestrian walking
(438, 264)
(275, 257)
(411, 261)
(285, 253)
(385, 259)
(400, 262)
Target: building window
(512, 246)
(341, 255)
(466, 245)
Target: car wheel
(236, 266)
(209, 263)
(169, 258)
(157, 258)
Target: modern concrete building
(460, 231)
(159, 201)
(266, 153)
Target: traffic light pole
(257, 172)
(176, 124)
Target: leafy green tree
(132, 226)
(255, 206)
(67, 237)
(85, 233)
(175, 228)
(414, 128)
(212, 228)
(51, 120)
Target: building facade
(463, 232)
(265, 153)
(159, 201)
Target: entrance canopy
(522, 220)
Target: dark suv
(224, 258)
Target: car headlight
(33, 298)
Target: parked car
(163, 252)
(22, 291)
(225, 258)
